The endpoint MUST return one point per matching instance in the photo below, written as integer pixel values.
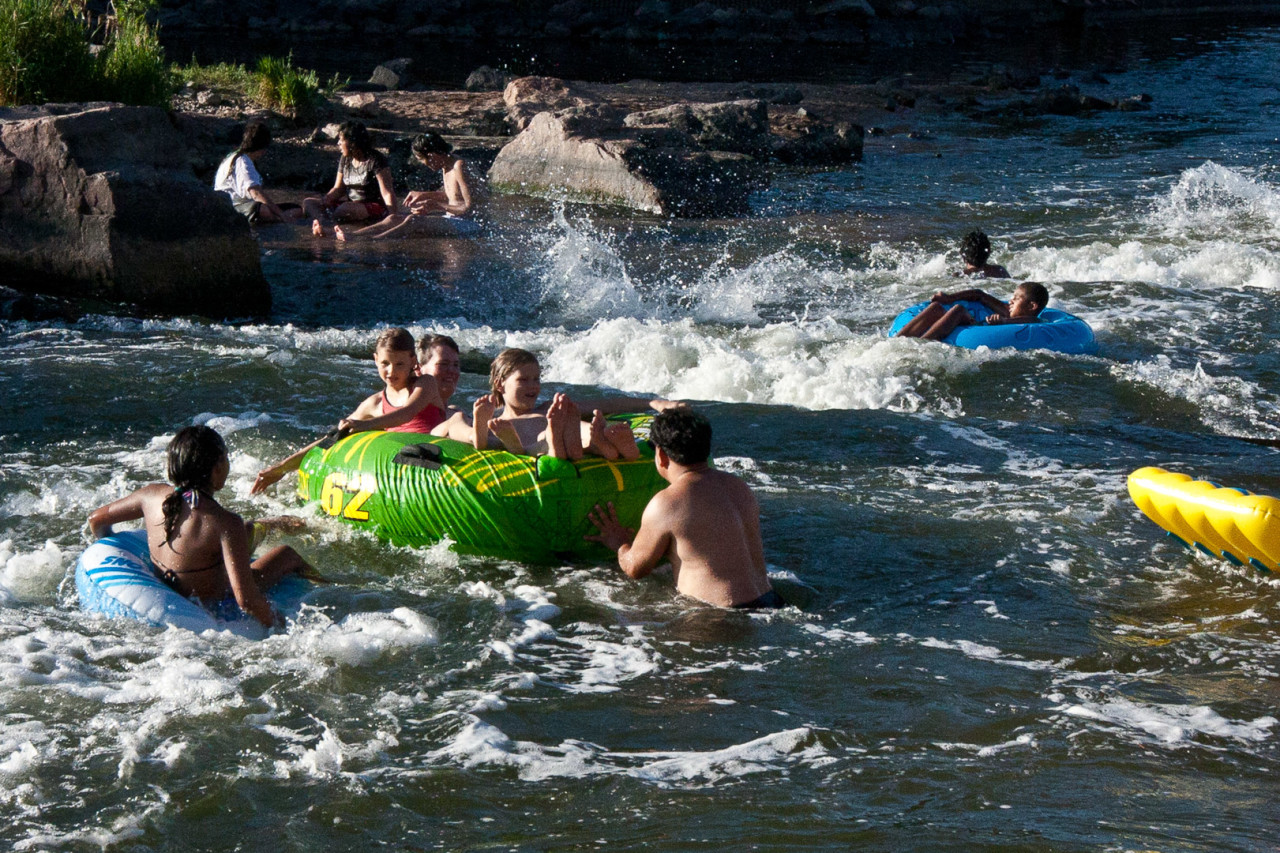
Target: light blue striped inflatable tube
(115, 577)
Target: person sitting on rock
(510, 418)
(975, 248)
(238, 177)
(935, 322)
(423, 209)
(363, 189)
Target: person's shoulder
(379, 159)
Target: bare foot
(339, 233)
(317, 228)
(623, 440)
(564, 436)
(598, 442)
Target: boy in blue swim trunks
(937, 321)
(706, 523)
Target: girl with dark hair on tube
(198, 547)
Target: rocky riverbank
(672, 149)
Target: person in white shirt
(238, 177)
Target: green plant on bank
(45, 54)
(133, 67)
(275, 84)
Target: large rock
(586, 154)
(100, 203)
(525, 97)
(741, 126)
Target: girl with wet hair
(363, 189)
(199, 548)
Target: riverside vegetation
(59, 50)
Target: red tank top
(427, 418)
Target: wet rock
(740, 126)
(805, 139)
(525, 97)
(393, 74)
(584, 153)
(363, 104)
(100, 203)
(486, 79)
(35, 307)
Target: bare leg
(956, 316)
(280, 562)
(922, 322)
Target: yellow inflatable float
(1233, 524)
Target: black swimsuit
(769, 601)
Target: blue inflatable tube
(115, 577)
(1057, 331)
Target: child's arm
(236, 559)
(481, 414)
(639, 553)
(973, 294)
(127, 508)
(618, 405)
(335, 195)
(366, 417)
(388, 190)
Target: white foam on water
(480, 744)
(360, 639)
(982, 652)
(31, 576)
(1173, 726)
(1218, 202)
(813, 365)
(1221, 401)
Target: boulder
(99, 202)
(741, 126)
(525, 97)
(585, 154)
(393, 74)
(486, 79)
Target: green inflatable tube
(414, 489)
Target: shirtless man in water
(706, 523)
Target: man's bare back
(711, 522)
(706, 523)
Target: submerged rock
(99, 202)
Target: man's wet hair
(975, 248)
(684, 434)
(430, 342)
(1036, 292)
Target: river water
(993, 649)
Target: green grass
(275, 84)
(44, 55)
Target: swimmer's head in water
(975, 248)
(257, 136)
(194, 455)
(684, 434)
(508, 362)
(357, 137)
(426, 144)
